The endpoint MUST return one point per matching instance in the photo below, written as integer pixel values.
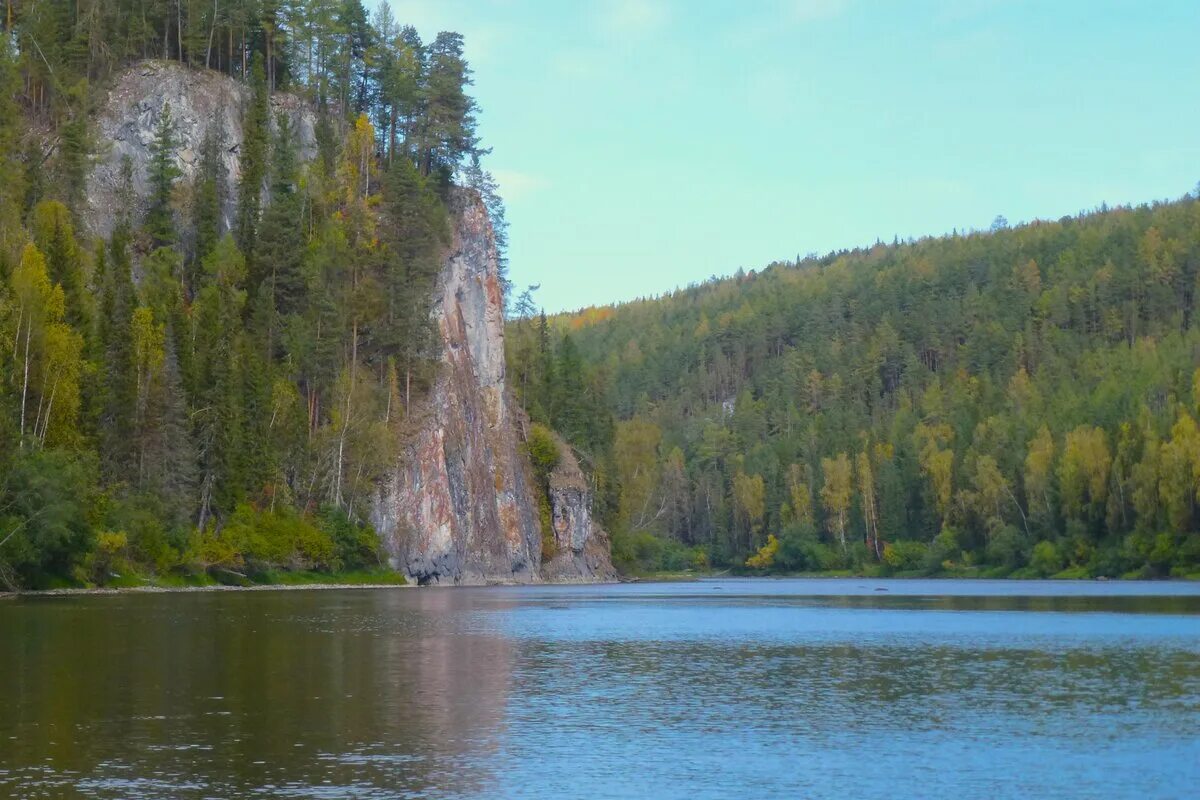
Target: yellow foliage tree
(800, 494)
(1083, 471)
(836, 493)
(636, 451)
(937, 462)
(749, 496)
(1179, 472)
(765, 557)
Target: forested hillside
(1015, 401)
(188, 394)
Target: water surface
(735, 688)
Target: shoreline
(259, 587)
(71, 591)
(667, 578)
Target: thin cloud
(634, 17)
(813, 10)
(515, 184)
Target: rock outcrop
(461, 505)
(200, 100)
(581, 549)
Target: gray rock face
(461, 506)
(200, 100)
(581, 551)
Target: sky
(644, 145)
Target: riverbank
(229, 582)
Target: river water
(715, 689)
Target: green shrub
(109, 559)
(945, 551)
(543, 451)
(44, 523)
(356, 545)
(266, 540)
(1046, 559)
(151, 545)
(644, 552)
(801, 551)
(905, 555)
(1006, 547)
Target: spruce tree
(253, 161)
(218, 405)
(162, 173)
(169, 456)
(277, 267)
(117, 402)
(206, 208)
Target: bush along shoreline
(133, 549)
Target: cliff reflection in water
(219, 693)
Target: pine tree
(448, 129)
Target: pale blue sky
(647, 144)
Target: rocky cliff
(461, 505)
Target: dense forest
(1018, 401)
(180, 399)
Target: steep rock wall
(460, 505)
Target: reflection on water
(751, 688)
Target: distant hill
(1018, 401)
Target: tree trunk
(25, 381)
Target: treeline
(181, 397)
(331, 51)
(1021, 401)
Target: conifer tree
(218, 406)
(207, 203)
(277, 268)
(448, 128)
(253, 160)
(162, 173)
(12, 174)
(118, 382)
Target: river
(853, 688)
